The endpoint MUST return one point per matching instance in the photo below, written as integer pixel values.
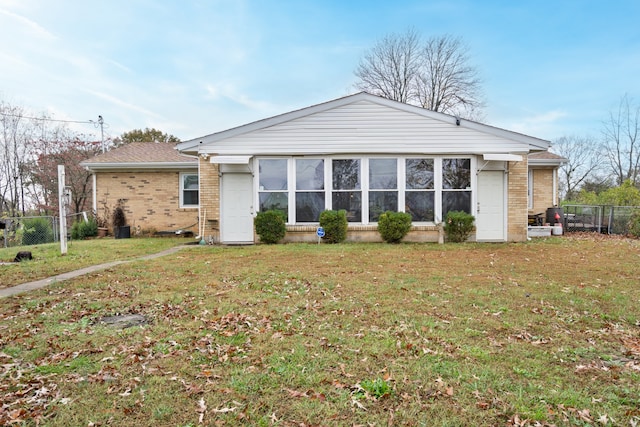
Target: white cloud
(35, 28)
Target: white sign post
(320, 233)
(62, 209)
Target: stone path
(25, 287)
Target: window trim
(183, 205)
(364, 182)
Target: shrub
(119, 219)
(270, 226)
(634, 224)
(393, 226)
(83, 229)
(335, 225)
(36, 230)
(458, 225)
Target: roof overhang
(502, 157)
(154, 166)
(230, 160)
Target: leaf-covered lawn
(541, 333)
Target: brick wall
(518, 201)
(210, 199)
(151, 200)
(543, 191)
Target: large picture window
(419, 199)
(273, 185)
(189, 190)
(309, 189)
(456, 185)
(346, 192)
(365, 187)
(383, 187)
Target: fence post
(62, 208)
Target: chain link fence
(602, 219)
(28, 230)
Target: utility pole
(101, 123)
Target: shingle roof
(141, 152)
(545, 155)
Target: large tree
(584, 162)
(147, 135)
(66, 149)
(621, 142)
(434, 74)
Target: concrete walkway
(25, 287)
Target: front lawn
(539, 333)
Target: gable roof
(546, 158)
(141, 155)
(377, 124)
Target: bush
(393, 226)
(458, 225)
(119, 218)
(83, 229)
(335, 225)
(270, 226)
(634, 224)
(36, 231)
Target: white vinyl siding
(365, 127)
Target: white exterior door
(490, 216)
(236, 205)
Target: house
(366, 154)
(155, 185)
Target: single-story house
(155, 185)
(365, 154)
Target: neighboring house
(366, 154)
(156, 186)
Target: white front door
(490, 217)
(236, 205)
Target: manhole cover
(124, 320)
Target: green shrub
(335, 225)
(393, 226)
(270, 226)
(634, 224)
(83, 229)
(36, 231)
(458, 225)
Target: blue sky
(550, 68)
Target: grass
(540, 333)
(49, 262)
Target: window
(189, 190)
(419, 199)
(273, 185)
(309, 189)
(365, 187)
(383, 187)
(456, 185)
(346, 192)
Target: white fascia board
(230, 160)
(140, 166)
(547, 162)
(502, 157)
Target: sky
(549, 68)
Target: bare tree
(584, 161)
(15, 133)
(446, 82)
(620, 141)
(390, 69)
(435, 74)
